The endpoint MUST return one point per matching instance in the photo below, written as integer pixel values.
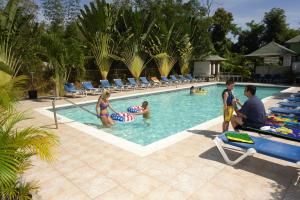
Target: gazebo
(273, 53)
(215, 61)
(208, 66)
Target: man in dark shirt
(252, 113)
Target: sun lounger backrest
(182, 77)
(67, 89)
(71, 86)
(132, 81)
(270, 148)
(119, 82)
(144, 80)
(173, 77)
(105, 83)
(189, 76)
(165, 79)
(87, 85)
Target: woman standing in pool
(103, 104)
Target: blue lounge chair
(296, 99)
(190, 78)
(89, 88)
(183, 79)
(165, 80)
(120, 86)
(285, 111)
(133, 83)
(174, 79)
(289, 104)
(296, 94)
(263, 146)
(145, 82)
(105, 84)
(70, 88)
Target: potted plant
(32, 94)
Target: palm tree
(97, 23)
(16, 148)
(137, 26)
(62, 55)
(162, 46)
(185, 49)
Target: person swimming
(194, 90)
(103, 104)
(145, 112)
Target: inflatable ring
(201, 92)
(122, 117)
(135, 109)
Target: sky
(246, 10)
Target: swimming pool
(171, 112)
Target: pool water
(171, 112)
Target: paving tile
(41, 175)
(97, 186)
(293, 192)
(121, 174)
(105, 164)
(81, 175)
(67, 195)
(118, 193)
(68, 165)
(213, 192)
(141, 185)
(166, 192)
(187, 183)
(143, 164)
(164, 173)
(56, 186)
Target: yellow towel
(284, 130)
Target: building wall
(296, 67)
(295, 47)
(201, 68)
(262, 70)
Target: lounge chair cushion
(268, 147)
(290, 104)
(285, 111)
(297, 99)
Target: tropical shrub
(97, 24)
(17, 146)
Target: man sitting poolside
(252, 113)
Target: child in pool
(194, 90)
(145, 112)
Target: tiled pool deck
(89, 168)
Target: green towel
(239, 137)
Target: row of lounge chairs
(268, 78)
(284, 123)
(119, 85)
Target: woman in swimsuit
(103, 114)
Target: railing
(224, 77)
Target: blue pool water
(171, 112)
